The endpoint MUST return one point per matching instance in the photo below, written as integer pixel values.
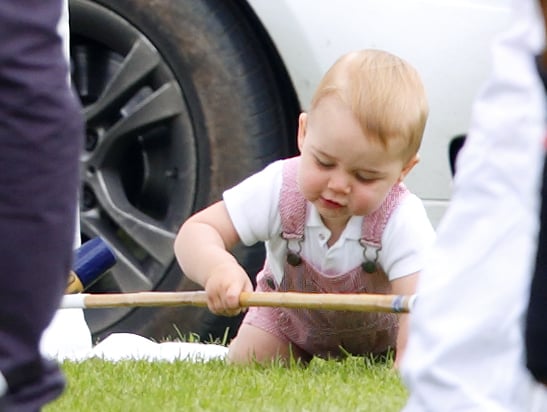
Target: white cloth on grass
(67, 336)
(129, 346)
(120, 346)
(465, 350)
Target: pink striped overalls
(323, 332)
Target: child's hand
(224, 285)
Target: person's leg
(253, 344)
(536, 330)
(41, 133)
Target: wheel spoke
(129, 277)
(139, 63)
(143, 230)
(163, 104)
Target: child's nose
(340, 182)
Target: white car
(184, 98)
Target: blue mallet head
(91, 260)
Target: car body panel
(447, 41)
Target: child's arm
(405, 285)
(202, 250)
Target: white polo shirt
(253, 208)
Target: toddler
(336, 219)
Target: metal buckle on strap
(293, 256)
(369, 266)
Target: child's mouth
(330, 204)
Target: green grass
(353, 384)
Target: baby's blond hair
(384, 92)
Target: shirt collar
(352, 230)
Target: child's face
(343, 172)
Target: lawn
(353, 384)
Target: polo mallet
(358, 302)
(91, 261)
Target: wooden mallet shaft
(358, 302)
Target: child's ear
(408, 167)
(302, 127)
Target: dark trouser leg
(536, 328)
(40, 141)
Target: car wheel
(181, 101)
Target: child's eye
(365, 179)
(323, 163)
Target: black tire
(182, 99)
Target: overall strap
(375, 223)
(292, 205)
